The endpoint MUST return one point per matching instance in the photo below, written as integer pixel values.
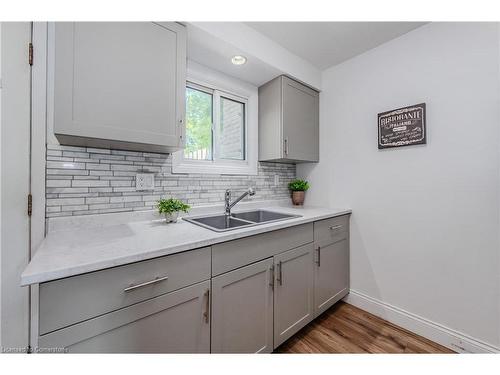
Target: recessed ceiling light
(239, 60)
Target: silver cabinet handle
(286, 146)
(155, 281)
(280, 273)
(335, 227)
(319, 256)
(207, 305)
(271, 276)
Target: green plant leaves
(171, 205)
(298, 185)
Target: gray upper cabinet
(242, 310)
(288, 122)
(118, 84)
(293, 292)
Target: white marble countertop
(90, 248)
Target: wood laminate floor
(347, 329)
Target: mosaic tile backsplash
(83, 181)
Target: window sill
(207, 167)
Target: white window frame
(218, 84)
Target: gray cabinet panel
(270, 121)
(293, 292)
(331, 275)
(230, 255)
(331, 230)
(171, 323)
(300, 121)
(74, 299)
(242, 310)
(119, 84)
(288, 122)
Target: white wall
(425, 218)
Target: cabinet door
(300, 121)
(293, 292)
(242, 310)
(177, 322)
(331, 275)
(119, 84)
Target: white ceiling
(325, 44)
(207, 50)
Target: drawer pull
(155, 281)
(335, 227)
(207, 306)
(319, 256)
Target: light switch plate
(144, 181)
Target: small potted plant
(171, 208)
(298, 188)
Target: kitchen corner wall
(83, 181)
(425, 223)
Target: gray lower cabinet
(230, 255)
(118, 84)
(242, 310)
(243, 296)
(293, 292)
(331, 275)
(176, 322)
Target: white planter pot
(172, 218)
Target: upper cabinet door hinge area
(30, 204)
(30, 54)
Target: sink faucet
(229, 204)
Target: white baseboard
(445, 336)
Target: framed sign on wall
(402, 127)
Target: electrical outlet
(144, 181)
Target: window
(215, 125)
(218, 131)
(199, 119)
(231, 129)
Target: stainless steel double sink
(222, 223)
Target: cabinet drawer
(74, 299)
(175, 322)
(331, 230)
(233, 254)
